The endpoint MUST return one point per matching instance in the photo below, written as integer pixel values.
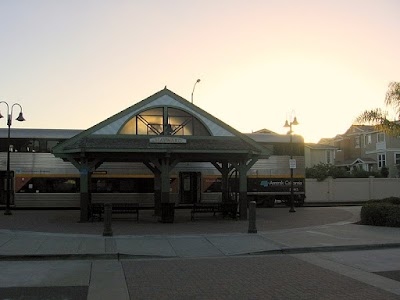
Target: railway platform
(45, 250)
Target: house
(364, 147)
(319, 153)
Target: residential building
(315, 154)
(364, 147)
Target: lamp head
(20, 117)
(286, 124)
(198, 80)
(295, 121)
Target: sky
(74, 63)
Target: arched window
(164, 121)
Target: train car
(40, 180)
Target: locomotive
(41, 180)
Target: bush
(385, 212)
(322, 171)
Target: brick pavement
(262, 277)
(302, 276)
(66, 221)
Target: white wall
(351, 189)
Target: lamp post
(9, 122)
(194, 86)
(292, 163)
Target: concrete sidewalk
(17, 245)
(366, 254)
(342, 235)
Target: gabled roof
(104, 137)
(359, 129)
(265, 130)
(357, 161)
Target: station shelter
(160, 132)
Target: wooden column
(242, 190)
(84, 193)
(243, 167)
(157, 193)
(161, 169)
(154, 166)
(86, 168)
(224, 169)
(165, 185)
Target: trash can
(167, 212)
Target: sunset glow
(72, 64)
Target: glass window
(357, 142)
(367, 139)
(151, 122)
(381, 137)
(181, 122)
(123, 185)
(397, 159)
(381, 160)
(50, 145)
(48, 185)
(328, 157)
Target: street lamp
(292, 163)
(9, 122)
(194, 86)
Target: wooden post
(252, 217)
(84, 194)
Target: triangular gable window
(164, 121)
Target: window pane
(397, 158)
(50, 145)
(129, 127)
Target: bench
(204, 208)
(227, 209)
(97, 209)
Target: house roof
(319, 146)
(357, 129)
(357, 161)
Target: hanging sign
(292, 163)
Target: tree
(379, 117)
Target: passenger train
(40, 180)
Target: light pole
(194, 86)
(292, 163)
(9, 122)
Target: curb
(122, 256)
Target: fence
(351, 189)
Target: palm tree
(379, 117)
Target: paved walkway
(50, 248)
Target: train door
(4, 188)
(190, 183)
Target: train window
(3, 145)
(123, 185)
(31, 146)
(288, 149)
(24, 145)
(48, 185)
(50, 144)
(212, 185)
